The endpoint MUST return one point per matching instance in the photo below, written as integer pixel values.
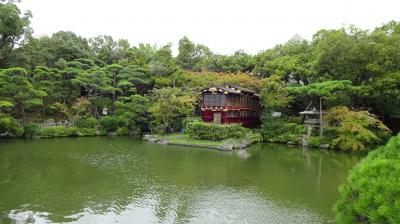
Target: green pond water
(122, 180)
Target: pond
(120, 179)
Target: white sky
(222, 25)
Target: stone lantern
(105, 111)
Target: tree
(186, 49)
(96, 84)
(273, 95)
(168, 104)
(190, 55)
(113, 72)
(81, 108)
(16, 88)
(162, 63)
(332, 91)
(137, 77)
(371, 193)
(48, 81)
(106, 49)
(132, 112)
(357, 129)
(46, 51)
(292, 60)
(13, 29)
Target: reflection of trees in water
(91, 176)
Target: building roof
(228, 88)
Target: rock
(163, 142)
(324, 146)
(146, 137)
(153, 139)
(112, 134)
(290, 143)
(225, 147)
(239, 145)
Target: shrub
(357, 129)
(272, 128)
(109, 124)
(87, 132)
(210, 131)
(187, 120)
(57, 131)
(89, 122)
(300, 129)
(287, 137)
(31, 130)
(372, 192)
(253, 136)
(314, 141)
(276, 129)
(10, 126)
(123, 131)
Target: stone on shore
(225, 147)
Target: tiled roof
(233, 89)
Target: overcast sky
(222, 25)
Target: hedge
(210, 131)
(61, 131)
(372, 192)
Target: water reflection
(108, 180)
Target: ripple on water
(200, 205)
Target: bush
(272, 128)
(372, 192)
(31, 130)
(210, 131)
(109, 124)
(287, 137)
(86, 132)
(276, 129)
(57, 131)
(123, 131)
(314, 141)
(62, 131)
(357, 129)
(10, 126)
(187, 120)
(300, 129)
(253, 136)
(89, 122)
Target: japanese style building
(227, 104)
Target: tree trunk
(166, 124)
(23, 114)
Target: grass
(180, 138)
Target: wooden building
(227, 104)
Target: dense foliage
(145, 88)
(210, 131)
(372, 192)
(357, 129)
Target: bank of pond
(351, 135)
